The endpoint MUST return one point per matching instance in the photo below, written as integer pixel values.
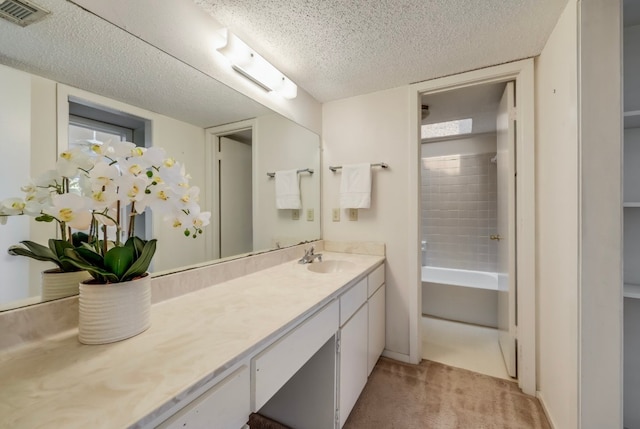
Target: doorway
(521, 73)
(467, 194)
(231, 151)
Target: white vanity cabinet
(354, 321)
(225, 405)
(273, 367)
(311, 376)
(362, 338)
(377, 317)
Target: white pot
(56, 284)
(115, 311)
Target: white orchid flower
(186, 220)
(131, 188)
(173, 172)
(186, 198)
(202, 219)
(102, 176)
(49, 179)
(133, 166)
(107, 216)
(154, 155)
(71, 160)
(71, 209)
(102, 199)
(12, 206)
(161, 198)
(114, 149)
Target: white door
(505, 234)
(235, 197)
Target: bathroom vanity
(293, 344)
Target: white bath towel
(355, 187)
(287, 190)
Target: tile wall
(458, 211)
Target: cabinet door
(376, 327)
(353, 361)
(225, 405)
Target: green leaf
(79, 237)
(141, 265)
(73, 256)
(35, 251)
(118, 260)
(45, 218)
(90, 256)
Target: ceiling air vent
(21, 12)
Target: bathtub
(461, 295)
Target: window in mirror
(92, 126)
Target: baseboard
(397, 356)
(545, 409)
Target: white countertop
(60, 383)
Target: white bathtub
(461, 295)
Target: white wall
(281, 144)
(15, 135)
(557, 221)
(375, 128)
(600, 155)
(578, 217)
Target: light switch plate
(353, 214)
(335, 215)
(295, 214)
(310, 215)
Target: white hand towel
(287, 190)
(355, 186)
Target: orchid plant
(98, 190)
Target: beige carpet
(436, 396)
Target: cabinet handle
(495, 237)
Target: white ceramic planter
(56, 284)
(114, 312)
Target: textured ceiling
(77, 48)
(340, 48)
(333, 49)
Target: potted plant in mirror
(98, 190)
(58, 282)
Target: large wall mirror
(74, 77)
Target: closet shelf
(631, 291)
(631, 204)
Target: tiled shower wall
(459, 207)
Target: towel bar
(304, 170)
(379, 164)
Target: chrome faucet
(310, 256)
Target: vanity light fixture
(251, 65)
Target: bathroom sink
(331, 266)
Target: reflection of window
(83, 131)
(449, 128)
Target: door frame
(522, 72)
(211, 200)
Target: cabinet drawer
(376, 279)
(225, 405)
(276, 365)
(352, 300)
